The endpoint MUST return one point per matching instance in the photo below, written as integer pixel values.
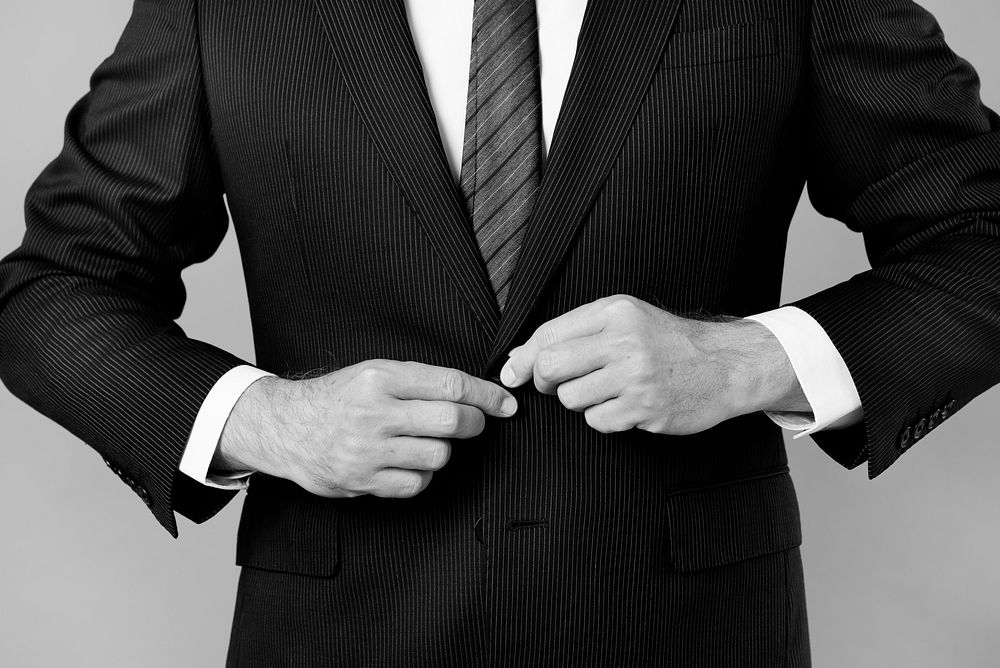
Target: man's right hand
(379, 427)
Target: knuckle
(453, 385)
(367, 480)
(622, 305)
(597, 422)
(546, 334)
(592, 420)
(568, 397)
(546, 365)
(371, 376)
(450, 419)
(413, 486)
(495, 400)
(439, 456)
(405, 489)
(473, 421)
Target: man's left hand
(625, 363)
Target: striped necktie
(502, 155)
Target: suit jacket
(688, 131)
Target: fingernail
(507, 376)
(508, 407)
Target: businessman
(519, 351)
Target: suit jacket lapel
(382, 69)
(618, 54)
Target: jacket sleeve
(904, 151)
(88, 301)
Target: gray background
(900, 571)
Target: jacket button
(952, 405)
(904, 438)
(935, 420)
(919, 429)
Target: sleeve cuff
(820, 369)
(208, 426)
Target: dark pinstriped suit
(685, 138)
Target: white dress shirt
(442, 32)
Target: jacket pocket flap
(289, 535)
(715, 45)
(723, 524)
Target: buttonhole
(521, 525)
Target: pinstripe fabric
(686, 135)
(929, 233)
(502, 156)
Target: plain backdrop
(901, 571)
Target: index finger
(433, 383)
(582, 321)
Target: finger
(570, 359)
(418, 454)
(609, 417)
(581, 321)
(398, 483)
(439, 419)
(590, 390)
(433, 383)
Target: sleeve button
(935, 420)
(904, 438)
(918, 431)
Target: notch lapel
(380, 64)
(618, 53)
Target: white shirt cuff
(210, 422)
(821, 371)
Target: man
(623, 501)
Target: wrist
(761, 376)
(240, 447)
